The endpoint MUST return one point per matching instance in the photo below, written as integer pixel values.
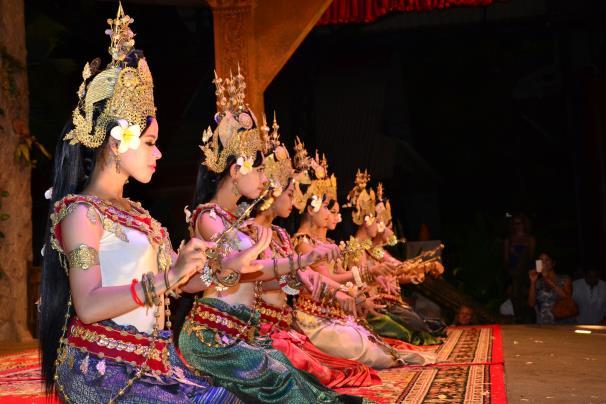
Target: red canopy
(365, 11)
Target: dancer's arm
(262, 270)
(322, 266)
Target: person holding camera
(550, 293)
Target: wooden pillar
(234, 44)
(260, 35)
(16, 203)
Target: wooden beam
(260, 35)
(280, 27)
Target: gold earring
(117, 158)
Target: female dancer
(217, 336)
(397, 319)
(325, 324)
(107, 263)
(276, 314)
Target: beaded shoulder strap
(113, 219)
(214, 210)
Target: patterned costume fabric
(345, 337)
(253, 371)
(399, 321)
(331, 371)
(90, 379)
(247, 366)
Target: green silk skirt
(254, 372)
(391, 324)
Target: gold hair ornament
(236, 134)
(361, 200)
(314, 173)
(128, 91)
(278, 164)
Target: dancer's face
(282, 205)
(140, 163)
(371, 229)
(335, 216)
(319, 218)
(251, 184)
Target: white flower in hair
(246, 165)
(339, 218)
(316, 203)
(380, 227)
(129, 136)
(49, 193)
(277, 191)
(369, 220)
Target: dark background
(464, 114)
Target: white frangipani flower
(316, 203)
(246, 165)
(129, 136)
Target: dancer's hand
(436, 269)
(347, 303)
(370, 306)
(190, 259)
(241, 262)
(325, 252)
(380, 269)
(312, 281)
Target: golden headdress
(278, 165)
(314, 173)
(128, 90)
(383, 207)
(236, 130)
(362, 201)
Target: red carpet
(469, 370)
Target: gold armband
(83, 257)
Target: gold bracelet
(83, 257)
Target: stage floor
(542, 365)
(553, 364)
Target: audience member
(550, 293)
(465, 316)
(518, 253)
(589, 293)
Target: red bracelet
(133, 293)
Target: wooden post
(260, 35)
(16, 246)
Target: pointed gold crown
(383, 207)
(278, 165)
(129, 91)
(314, 173)
(236, 133)
(361, 200)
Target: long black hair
(73, 167)
(72, 170)
(207, 183)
